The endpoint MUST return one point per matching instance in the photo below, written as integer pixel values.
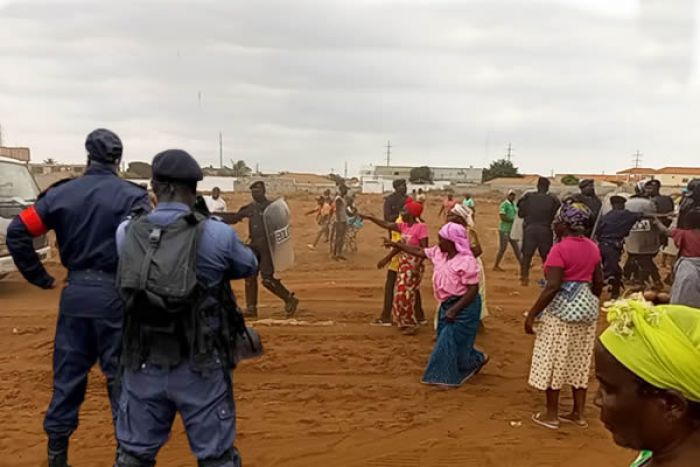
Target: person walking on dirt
(612, 230)
(323, 211)
(181, 323)
(340, 225)
(507, 212)
(447, 204)
(84, 213)
(259, 243)
(538, 211)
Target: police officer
(258, 242)
(84, 213)
(175, 358)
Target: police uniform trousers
(535, 238)
(611, 252)
(83, 338)
(266, 269)
(151, 397)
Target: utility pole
(509, 154)
(388, 153)
(346, 170)
(221, 151)
(636, 159)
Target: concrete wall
(451, 174)
(675, 180)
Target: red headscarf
(414, 208)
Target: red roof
(637, 171)
(679, 170)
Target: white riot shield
(644, 238)
(276, 218)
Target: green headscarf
(660, 344)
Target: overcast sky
(575, 85)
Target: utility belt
(91, 276)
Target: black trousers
(340, 228)
(640, 268)
(266, 269)
(535, 238)
(611, 253)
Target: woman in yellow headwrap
(648, 365)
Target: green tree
(569, 180)
(501, 168)
(50, 161)
(241, 169)
(421, 175)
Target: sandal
(537, 419)
(578, 423)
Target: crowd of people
(148, 295)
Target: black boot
(58, 458)
(291, 305)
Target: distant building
(20, 154)
(440, 174)
(66, 169)
(668, 176)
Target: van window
(16, 182)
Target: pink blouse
(412, 235)
(577, 256)
(452, 276)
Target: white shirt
(215, 205)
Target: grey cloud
(307, 85)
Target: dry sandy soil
(341, 395)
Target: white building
(440, 174)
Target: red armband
(33, 223)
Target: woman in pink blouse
(410, 273)
(568, 310)
(456, 286)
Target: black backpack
(169, 315)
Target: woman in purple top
(567, 309)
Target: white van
(18, 190)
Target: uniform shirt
(256, 225)
(215, 205)
(220, 254)
(616, 224)
(393, 204)
(508, 210)
(84, 213)
(538, 209)
(593, 203)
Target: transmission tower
(636, 159)
(509, 153)
(388, 153)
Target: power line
(636, 159)
(388, 153)
(221, 151)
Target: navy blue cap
(586, 182)
(176, 165)
(104, 146)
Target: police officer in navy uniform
(172, 362)
(84, 213)
(258, 242)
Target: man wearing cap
(537, 211)
(612, 230)
(260, 246)
(84, 213)
(588, 197)
(175, 356)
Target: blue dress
(454, 359)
